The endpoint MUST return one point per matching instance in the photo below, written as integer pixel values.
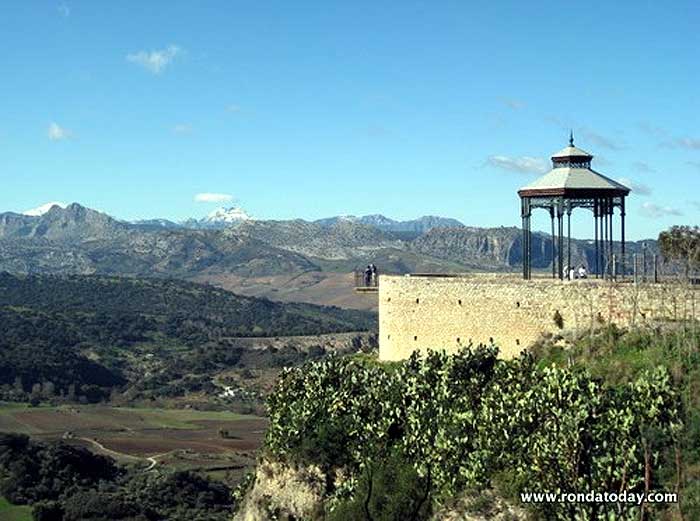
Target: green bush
(465, 419)
(388, 490)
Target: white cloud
(208, 197)
(600, 140)
(637, 188)
(602, 161)
(512, 103)
(655, 211)
(689, 142)
(524, 164)
(182, 128)
(155, 61)
(559, 122)
(694, 164)
(233, 108)
(58, 133)
(652, 130)
(64, 9)
(641, 166)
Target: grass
(180, 418)
(10, 512)
(619, 356)
(13, 417)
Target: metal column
(560, 219)
(622, 231)
(568, 238)
(606, 253)
(525, 212)
(554, 249)
(595, 225)
(613, 268)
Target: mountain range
(283, 260)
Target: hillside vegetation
(402, 440)
(95, 333)
(66, 483)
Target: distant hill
(340, 240)
(98, 332)
(80, 240)
(264, 257)
(414, 226)
(219, 219)
(162, 300)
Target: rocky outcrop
(283, 492)
(341, 240)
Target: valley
(219, 444)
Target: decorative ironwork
(560, 163)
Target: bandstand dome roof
(571, 175)
(571, 151)
(575, 178)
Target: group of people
(371, 275)
(573, 273)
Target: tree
(49, 389)
(681, 243)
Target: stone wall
(447, 312)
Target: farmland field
(10, 512)
(221, 444)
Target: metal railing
(645, 267)
(365, 279)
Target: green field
(182, 439)
(43, 419)
(10, 512)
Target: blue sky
(310, 109)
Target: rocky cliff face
(492, 249)
(386, 224)
(74, 223)
(281, 491)
(341, 240)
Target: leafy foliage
(464, 419)
(624, 359)
(681, 243)
(66, 483)
(387, 490)
(31, 472)
(76, 331)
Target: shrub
(388, 490)
(461, 420)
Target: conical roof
(571, 175)
(575, 178)
(572, 151)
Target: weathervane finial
(571, 138)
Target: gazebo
(571, 183)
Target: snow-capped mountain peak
(41, 210)
(233, 214)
